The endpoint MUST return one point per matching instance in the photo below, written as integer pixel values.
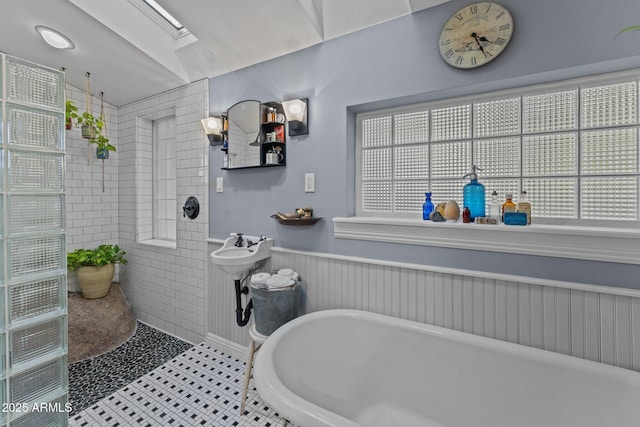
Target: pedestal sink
(237, 260)
(237, 256)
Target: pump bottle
(473, 195)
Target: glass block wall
(33, 297)
(573, 147)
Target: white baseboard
(226, 346)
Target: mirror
(244, 134)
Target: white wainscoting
(591, 322)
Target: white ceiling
(130, 57)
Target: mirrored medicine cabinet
(253, 135)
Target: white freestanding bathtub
(355, 368)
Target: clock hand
(475, 36)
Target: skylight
(166, 15)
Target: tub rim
(303, 412)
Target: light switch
(219, 186)
(309, 182)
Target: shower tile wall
(166, 287)
(33, 310)
(585, 321)
(92, 214)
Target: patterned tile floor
(199, 387)
(93, 379)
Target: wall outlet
(219, 186)
(309, 182)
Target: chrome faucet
(239, 242)
(252, 243)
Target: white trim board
(226, 346)
(588, 243)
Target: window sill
(589, 243)
(159, 243)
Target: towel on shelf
(259, 280)
(279, 281)
(289, 273)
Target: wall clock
(475, 35)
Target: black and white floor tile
(93, 379)
(200, 387)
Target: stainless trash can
(273, 308)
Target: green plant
(101, 140)
(91, 121)
(102, 255)
(102, 143)
(624, 30)
(71, 112)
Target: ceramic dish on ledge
(294, 220)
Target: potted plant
(103, 146)
(95, 268)
(71, 114)
(90, 125)
(92, 129)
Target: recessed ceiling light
(54, 38)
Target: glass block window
(572, 146)
(164, 179)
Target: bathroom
(391, 64)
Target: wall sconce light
(296, 112)
(213, 127)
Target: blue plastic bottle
(427, 207)
(473, 195)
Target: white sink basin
(236, 260)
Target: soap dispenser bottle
(427, 207)
(473, 195)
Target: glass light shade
(212, 125)
(294, 109)
(54, 38)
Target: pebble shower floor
(199, 387)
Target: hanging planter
(102, 153)
(101, 140)
(88, 132)
(71, 114)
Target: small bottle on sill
(508, 206)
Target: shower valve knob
(191, 208)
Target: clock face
(475, 35)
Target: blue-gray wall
(395, 63)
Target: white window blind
(572, 146)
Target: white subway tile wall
(166, 287)
(91, 214)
